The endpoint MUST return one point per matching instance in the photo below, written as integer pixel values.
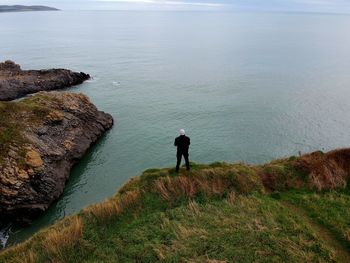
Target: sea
(246, 87)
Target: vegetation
(215, 213)
(15, 116)
(329, 209)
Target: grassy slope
(329, 209)
(215, 213)
(15, 116)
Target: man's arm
(175, 142)
(189, 141)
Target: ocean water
(246, 87)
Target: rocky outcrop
(15, 83)
(23, 8)
(54, 130)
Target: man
(182, 143)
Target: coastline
(245, 187)
(42, 136)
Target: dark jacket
(182, 142)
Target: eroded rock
(33, 159)
(36, 167)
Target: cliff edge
(41, 137)
(289, 210)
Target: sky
(319, 6)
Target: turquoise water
(246, 87)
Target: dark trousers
(179, 157)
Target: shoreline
(309, 173)
(42, 136)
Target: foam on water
(4, 235)
(92, 80)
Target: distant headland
(23, 8)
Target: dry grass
(113, 207)
(202, 259)
(231, 198)
(171, 188)
(57, 240)
(282, 175)
(317, 170)
(183, 232)
(215, 261)
(347, 235)
(209, 181)
(326, 171)
(159, 254)
(193, 208)
(131, 184)
(246, 179)
(25, 257)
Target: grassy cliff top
(15, 117)
(284, 211)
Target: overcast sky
(328, 6)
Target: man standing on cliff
(182, 143)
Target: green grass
(15, 117)
(330, 209)
(249, 229)
(216, 212)
(8, 124)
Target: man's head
(182, 132)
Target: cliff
(41, 137)
(15, 82)
(289, 210)
(23, 8)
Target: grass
(9, 126)
(15, 117)
(215, 213)
(110, 209)
(283, 175)
(330, 209)
(57, 240)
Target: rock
(16, 83)
(13, 154)
(8, 181)
(10, 66)
(55, 116)
(33, 159)
(23, 8)
(68, 145)
(23, 175)
(51, 144)
(8, 192)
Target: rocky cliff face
(15, 83)
(41, 137)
